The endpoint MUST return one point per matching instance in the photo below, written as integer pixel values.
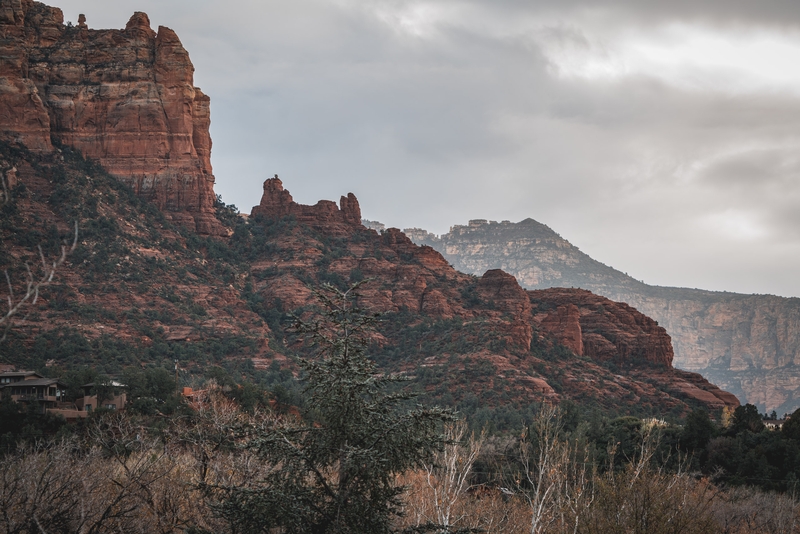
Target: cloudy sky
(662, 138)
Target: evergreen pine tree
(335, 472)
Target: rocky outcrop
(501, 292)
(463, 337)
(276, 202)
(123, 97)
(748, 344)
(695, 386)
(564, 324)
(601, 329)
(491, 318)
(605, 331)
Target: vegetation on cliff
(140, 291)
(746, 344)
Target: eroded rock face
(604, 330)
(277, 202)
(502, 292)
(565, 324)
(123, 97)
(491, 318)
(748, 344)
(474, 335)
(607, 331)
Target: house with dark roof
(10, 377)
(46, 393)
(50, 394)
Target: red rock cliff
(594, 326)
(123, 97)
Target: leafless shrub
(439, 492)
(120, 479)
(748, 510)
(647, 499)
(555, 478)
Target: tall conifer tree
(335, 472)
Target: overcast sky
(661, 138)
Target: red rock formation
(608, 330)
(748, 343)
(277, 202)
(123, 97)
(424, 255)
(698, 388)
(442, 319)
(502, 292)
(565, 325)
(604, 330)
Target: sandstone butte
(125, 98)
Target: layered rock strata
(473, 339)
(123, 97)
(493, 316)
(606, 331)
(748, 344)
(603, 330)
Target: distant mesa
(748, 344)
(123, 97)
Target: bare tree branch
(6, 195)
(34, 283)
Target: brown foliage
(121, 479)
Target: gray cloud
(437, 112)
(777, 13)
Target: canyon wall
(123, 97)
(746, 344)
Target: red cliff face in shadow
(604, 330)
(123, 97)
